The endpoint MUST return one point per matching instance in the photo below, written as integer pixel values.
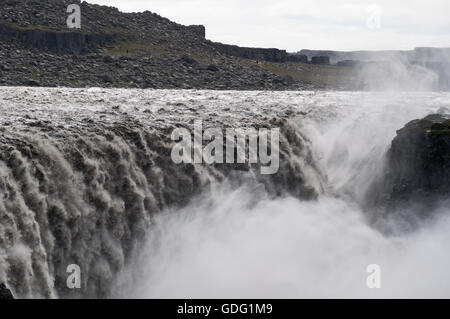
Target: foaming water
(241, 244)
(86, 177)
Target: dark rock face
(323, 60)
(58, 42)
(199, 30)
(271, 55)
(419, 163)
(299, 58)
(5, 294)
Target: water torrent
(86, 178)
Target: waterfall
(86, 178)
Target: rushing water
(86, 178)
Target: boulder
(188, 60)
(289, 80)
(32, 82)
(213, 68)
(107, 78)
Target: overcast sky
(309, 24)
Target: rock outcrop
(5, 294)
(322, 60)
(298, 58)
(199, 30)
(55, 41)
(418, 164)
(272, 55)
(259, 54)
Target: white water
(237, 243)
(229, 242)
(228, 247)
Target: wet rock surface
(418, 163)
(5, 294)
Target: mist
(239, 242)
(423, 69)
(235, 244)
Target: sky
(309, 24)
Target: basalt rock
(199, 30)
(323, 60)
(299, 58)
(55, 41)
(5, 294)
(418, 164)
(271, 55)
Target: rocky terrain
(40, 68)
(145, 50)
(115, 49)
